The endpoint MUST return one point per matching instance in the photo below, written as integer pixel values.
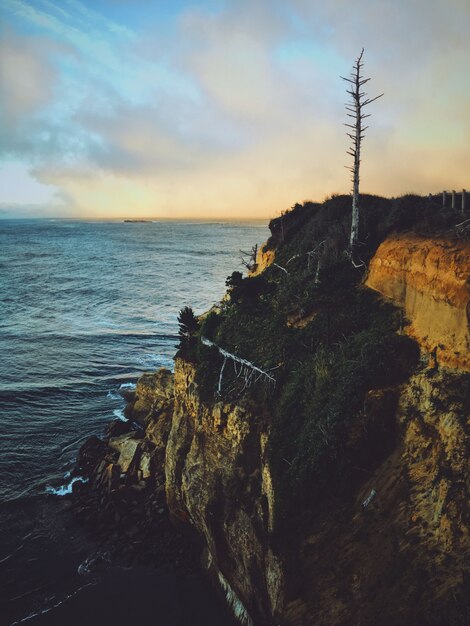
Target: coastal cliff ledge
(337, 496)
(430, 279)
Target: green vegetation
(187, 333)
(327, 340)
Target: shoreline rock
(123, 503)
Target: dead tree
(463, 229)
(354, 109)
(247, 371)
(249, 259)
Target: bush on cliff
(187, 333)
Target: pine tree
(188, 327)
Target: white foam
(86, 567)
(127, 386)
(113, 395)
(119, 413)
(155, 360)
(67, 488)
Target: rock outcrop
(430, 279)
(264, 258)
(122, 500)
(218, 479)
(396, 551)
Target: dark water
(86, 308)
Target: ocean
(85, 308)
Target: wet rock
(128, 394)
(123, 503)
(153, 393)
(117, 428)
(127, 446)
(89, 455)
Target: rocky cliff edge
(394, 548)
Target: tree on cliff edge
(188, 327)
(354, 109)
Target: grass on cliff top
(324, 369)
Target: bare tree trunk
(357, 157)
(355, 111)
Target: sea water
(85, 308)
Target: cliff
(217, 479)
(264, 258)
(404, 556)
(339, 495)
(430, 279)
(397, 551)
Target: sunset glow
(224, 108)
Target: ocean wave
(31, 389)
(119, 413)
(66, 489)
(106, 334)
(155, 360)
(56, 604)
(37, 255)
(130, 386)
(91, 562)
(73, 445)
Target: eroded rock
(430, 279)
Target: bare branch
(246, 369)
(296, 256)
(371, 100)
(281, 268)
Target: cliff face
(397, 552)
(217, 478)
(430, 279)
(264, 258)
(397, 548)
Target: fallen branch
(251, 373)
(315, 254)
(281, 268)
(463, 229)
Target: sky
(224, 108)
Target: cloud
(27, 76)
(231, 109)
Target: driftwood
(244, 369)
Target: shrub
(188, 327)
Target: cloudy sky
(212, 108)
